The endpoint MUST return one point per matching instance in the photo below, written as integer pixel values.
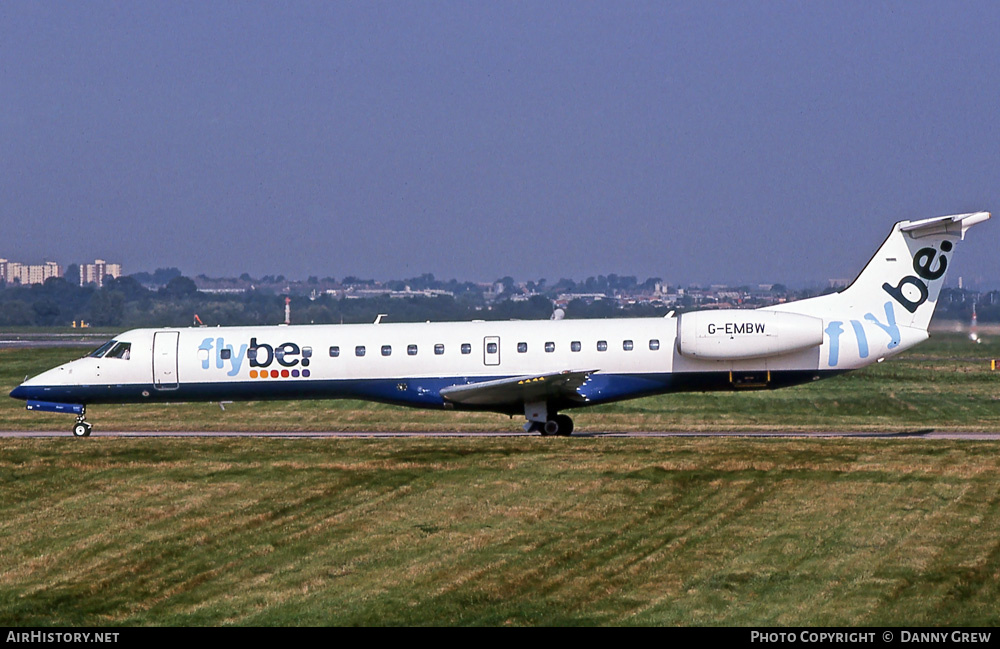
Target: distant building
(588, 298)
(96, 272)
(14, 272)
(353, 293)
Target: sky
(700, 142)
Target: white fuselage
(374, 360)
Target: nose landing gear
(81, 428)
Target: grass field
(516, 531)
(522, 531)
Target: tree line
(127, 303)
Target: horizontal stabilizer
(520, 389)
(954, 225)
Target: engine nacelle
(733, 334)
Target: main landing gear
(81, 428)
(560, 425)
(539, 421)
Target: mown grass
(944, 384)
(499, 531)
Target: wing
(519, 390)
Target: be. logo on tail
(911, 291)
(929, 264)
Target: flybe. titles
(910, 292)
(257, 355)
(923, 266)
(834, 331)
(284, 354)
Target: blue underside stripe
(417, 392)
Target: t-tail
(896, 293)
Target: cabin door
(165, 360)
(491, 350)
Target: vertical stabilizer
(911, 265)
(907, 272)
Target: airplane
(535, 368)
(974, 327)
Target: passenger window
(522, 347)
(491, 348)
(307, 352)
(202, 354)
(252, 354)
(411, 350)
(359, 350)
(575, 346)
(225, 354)
(334, 351)
(386, 350)
(627, 345)
(279, 353)
(550, 347)
(466, 348)
(602, 345)
(654, 344)
(438, 349)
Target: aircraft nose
(20, 392)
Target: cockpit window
(103, 349)
(121, 350)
